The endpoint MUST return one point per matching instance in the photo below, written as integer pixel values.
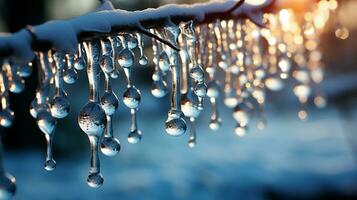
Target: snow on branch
(64, 35)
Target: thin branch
(233, 8)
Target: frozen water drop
(34, 108)
(201, 89)
(95, 180)
(80, 63)
(175, 125)
(192, 143)
(70, 76)
(197, 73)
(126, 58)
(46, 122)
(143, 60)
(106, 63)
(132, 97)
(110, 146)
(16, 85)
(24, 70)
(50, 165)
(134, 137)
(6, 117)
(132, 42)
(60, 107)
(159, 89)
(109, 103)
(189, 104)
(92, 119)
(114, 74)
(215, 124)
(164, 63)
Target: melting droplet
(92, 118)
(16, 83)
(24, 70)
(175, 125)
(135, 135)
(44, 119)
(143, 60)
(110, 146)
(70, 75)
(192, 138)
(60, 106)
(131, 98)
(80, 62)
(159, 86)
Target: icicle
(80, 59)
(44, 119)
(6, 114)
(117, 47)
(213, 88)
(7, 181)
(70, 75)
(132, 95)
(60, 106)
(110, 146)
(196, 71)
(192, 139)
(24, 70)
(16, 83)
(159, 86)
(132, 41)
(92, 118)
(190, 102)
(135, 134)
(175, 125)
(143, 60)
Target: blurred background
(289, 159)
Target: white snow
(62, 34)
(19, 44)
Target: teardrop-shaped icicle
(192, 138)
(92, 118)
(175, 125)
(70, 75)
(47, 125)
(60, 106)
(143, 60)
(109, 146)
(95, 178)
(134, 136)
(80, 61)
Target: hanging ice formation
(256, 50)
